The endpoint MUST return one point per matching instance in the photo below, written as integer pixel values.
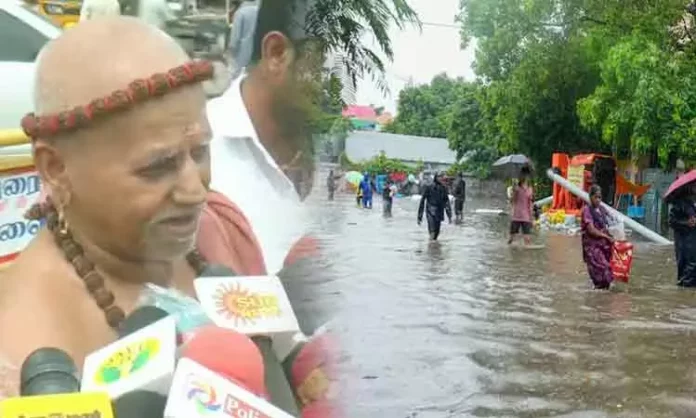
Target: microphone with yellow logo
(49, 388)
(142, 360)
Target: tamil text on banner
(576, 175)
(19, 190)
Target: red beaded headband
(137, 91)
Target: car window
(20, 42)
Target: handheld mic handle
(48, 371)
(277, 384)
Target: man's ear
(50, 164)
(276, 52)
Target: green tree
(340, 26)
(584, 75)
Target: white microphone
(142, 360)
(199, 392)
(251, 305)
(258, 307)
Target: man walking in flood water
(435, 202)
(459, 193)
(331, 184)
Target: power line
(441, 25)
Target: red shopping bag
(621, 260)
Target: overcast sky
(421, 54)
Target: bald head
(99, 56)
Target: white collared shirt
(244, 171)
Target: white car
(22, 35)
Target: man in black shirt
(437, 204)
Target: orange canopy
(623, 186)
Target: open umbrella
(678, 184)
(510, 165)
(353, 177)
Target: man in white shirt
(92, 9)
(259, 125)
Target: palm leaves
(340, 25)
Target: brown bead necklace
(93, 280)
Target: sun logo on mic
(242, 306)
(203, 395)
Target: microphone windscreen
(48, 371)
(217, 270)
(140, 318)
(140, 404)
(229, 354)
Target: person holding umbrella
(522, 207)
(682, 219)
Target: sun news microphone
(258, 307)
(48, 371)
(140, 404)
(200, 392)
(141, 360)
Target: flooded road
(470, 327)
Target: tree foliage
(566, 76)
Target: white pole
(544, 201)
(642, 230)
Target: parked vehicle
(23, 33)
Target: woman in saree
(597, 243)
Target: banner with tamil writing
(19, 190)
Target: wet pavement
(470, 327)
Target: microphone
(258, 307)
(140, 318)
(87, 405)
(230, 354)
(322, 409)
(199, 392)
(49, 386)
(143, 359)
(311, 370)
(140, 404)
(48, 371)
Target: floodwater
(470, 327)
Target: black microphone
(217, 270)
(140, 404)
(140, 318)
(48, 371)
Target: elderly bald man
(122, 146)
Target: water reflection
(469, 327)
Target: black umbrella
(510, 166)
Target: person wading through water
(438, 202)
(522, 212)
(682, 219)
(331, 184)
(459, 197)
(388, 197)
(597, 243)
